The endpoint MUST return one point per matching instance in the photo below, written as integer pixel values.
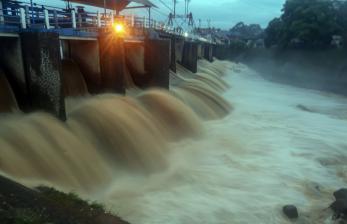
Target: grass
(53, 207)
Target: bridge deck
(19, 17)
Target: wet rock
(339, 207)
(341, 194)
(290, 211)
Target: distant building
(337, 41)
(258, 43)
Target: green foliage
(238, 45)
(273, 32)
(47, 210)
(308, 24)
(27, 216)
(71, 200)
(244, 31)
(22, 216)
(342, 18)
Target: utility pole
(186, 7)
(175, 2)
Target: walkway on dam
(75, 22)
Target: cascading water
(124, 132)
(8, 101)
(104, 135)
(150, 159)
(74, 83)
(267, 154)
(172, 117)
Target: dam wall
(44, 67)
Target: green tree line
(308, 24)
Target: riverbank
(20, 204)
(324, 70)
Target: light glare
(119, 28)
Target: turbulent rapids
(221, 146)
(107, 134)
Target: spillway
(222, 146)
(112, 133)
(266, 154)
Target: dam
(40, 47)
(156, 125)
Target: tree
(306, 24)
(342, 18)
(273, 32)
(243, 31)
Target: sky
(222, 13)
(226, 13)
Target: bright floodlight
(118, 28)
(186, 34)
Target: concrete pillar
(214, 49)
(190, 56)
(179, 49)
(221, 51)
(132, 21)
(201, 50)
(157, 62)
(112, 62)
(208, 52)
(98, 17)
(47, 19)
(22, 17)
(42, 65)
(173, 54)
(27, 15)
(73, 19)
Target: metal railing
(24, 16)
(9, 17)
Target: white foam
(266, 154)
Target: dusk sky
(223, 13)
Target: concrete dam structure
(107, 118)
(34, 58)
(84, 101)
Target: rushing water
(267, 153)
(151, 159)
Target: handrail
(49, 17)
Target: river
(281, 145)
